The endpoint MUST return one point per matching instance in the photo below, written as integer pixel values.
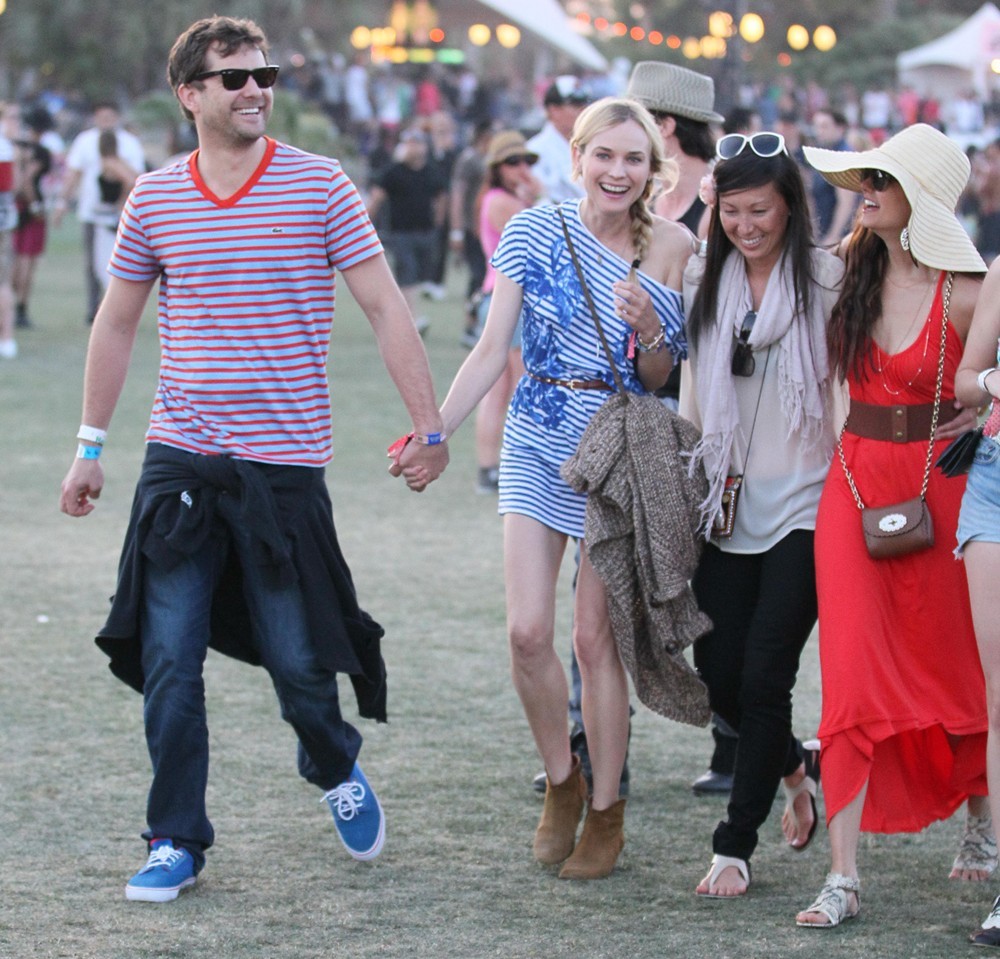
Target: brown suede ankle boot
(600, 843)
(556, 832)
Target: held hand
(83, 483)
(966, 420)
(418, 464)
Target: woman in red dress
(903, 726)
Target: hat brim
(532, 156)
(937, 238)
(679, 110)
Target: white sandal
(720, 863)
(978, 851)
(833, 901)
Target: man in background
(81, 182)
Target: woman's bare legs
(605, 688)
(532, 556)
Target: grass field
(453, 766)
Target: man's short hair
(226, 34)
(834, 114)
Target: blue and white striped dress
(559, 341)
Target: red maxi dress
(900, 668)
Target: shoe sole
(152, 894)
(375, 848)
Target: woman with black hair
(903, 728)
(757, 384)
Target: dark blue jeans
(762, 607)
(175, 623)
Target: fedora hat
(507, 144)
(666, 88)
(933, 171)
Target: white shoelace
(345, 799)
(163, 856)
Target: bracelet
(431, 439)
(92, 435)
(655, 346)
(85, 452)
(981, 378)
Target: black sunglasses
(518, 160)
(743, 362)
(236, 79)
(879, 179)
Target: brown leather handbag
(902, 528)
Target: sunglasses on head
(518, 161)
(879, 179)
(743, 362)
(236, 79)
(763, 144)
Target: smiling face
(615, 166)
(233, 117)
(885, 212)
(756, 222)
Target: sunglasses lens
(234, 79)
(730, 145)
(265, 77)
(743, 362)
(766, 144)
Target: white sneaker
(8, 349)
(434, 291)
(422, 324)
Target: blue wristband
(430, 439)
(85, 452)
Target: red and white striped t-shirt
(246, 302)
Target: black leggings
(762, 607)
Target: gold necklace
(881, 367)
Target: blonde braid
(642, 223)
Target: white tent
(547, 20)
(958, 61)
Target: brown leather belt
(574, 384)
(906, 423)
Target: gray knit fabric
(641, 534)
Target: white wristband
(92, 435)
(981, 378)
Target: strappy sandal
(719, 863)
(833, 901)
(978, 850)
(807, 785)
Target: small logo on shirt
(186, 499)
(277, 229)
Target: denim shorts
(979, 518)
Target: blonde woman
(616, 153)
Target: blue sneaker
(358, 816)
(166, 873)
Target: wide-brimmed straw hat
(507, 144)
(666, 88)
(933, 171)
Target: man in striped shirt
(231, 543)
